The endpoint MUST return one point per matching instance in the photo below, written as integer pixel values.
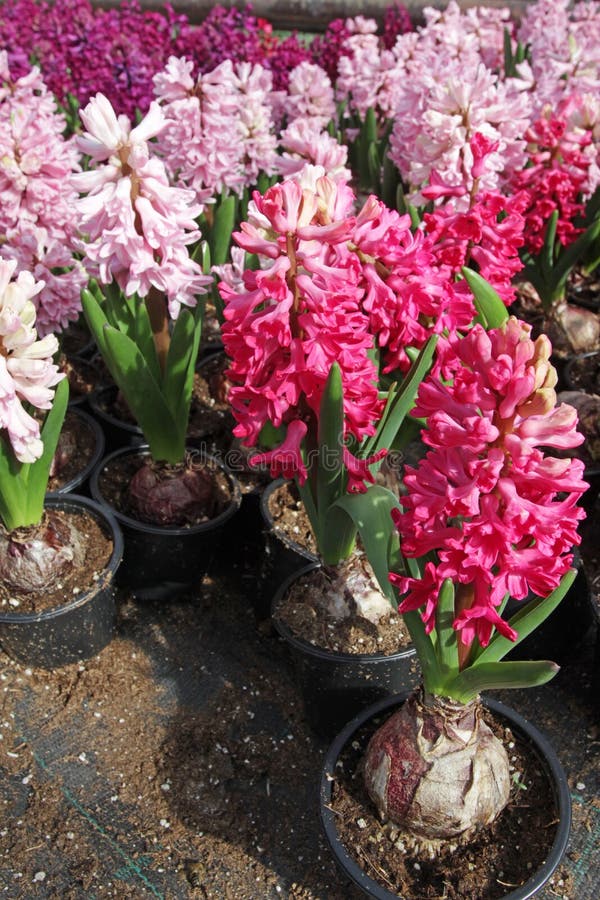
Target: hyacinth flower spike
(489, 513)
(142, 303)
(35, 548)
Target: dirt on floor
(178, 763)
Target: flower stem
(156, 305)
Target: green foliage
(159, 401)
(23, 486)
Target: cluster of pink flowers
(486, 234)
(36, 203)
(27, 372)
(557, 176)
(138, 226)
(563, 39)
(438, 113)
(334, 286)
(295, 318)
(368, 74)
(497, 509)
(219, 132)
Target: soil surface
(76, 451)
(179, 763)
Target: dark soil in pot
(80, 447)
(301, 610)
(66, 611)
(85, 376)
(493, 865)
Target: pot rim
(98, 512)
(97, 455)
(536, 739)
(269, 522)
(321, 653)
(94, 403)
(174, 531)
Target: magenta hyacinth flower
(489, 499)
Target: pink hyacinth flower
(27, 372)
(499, 511)
(138, 226)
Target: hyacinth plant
(329, 332)
(142, 305)
(489, 513)
(562, 216)
(35, 548)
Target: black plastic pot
(281, 558)
(164, 561)
(80, 481)
(563, 632)
(539, 745)
(335, 686)
(89, 370)
(117, 432)
(77, 630)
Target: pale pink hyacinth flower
(138, 226)
(368, 74)
(52, 264)
(27, 372)
(564, 43)
(437, 116)
(37, 217)
(310, 95)
(303, 142)
(453, 33)
(219, 131)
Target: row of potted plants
(371, 359)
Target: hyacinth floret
(489, 498)
(27, 372)
(138, 227)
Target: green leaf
(95, 317)
(39, 471)
(13, 487)
(526, 620)
(373, 169)
(143, 338)
(143, 396)
(423, 644)
(401, 400)
(178, 380)
(371, 514)
(369, 127)
(499, 676)
(570, 256)
(390, 182)
(490, 307)
(223, 225)
(330, 466)
(447, 645)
